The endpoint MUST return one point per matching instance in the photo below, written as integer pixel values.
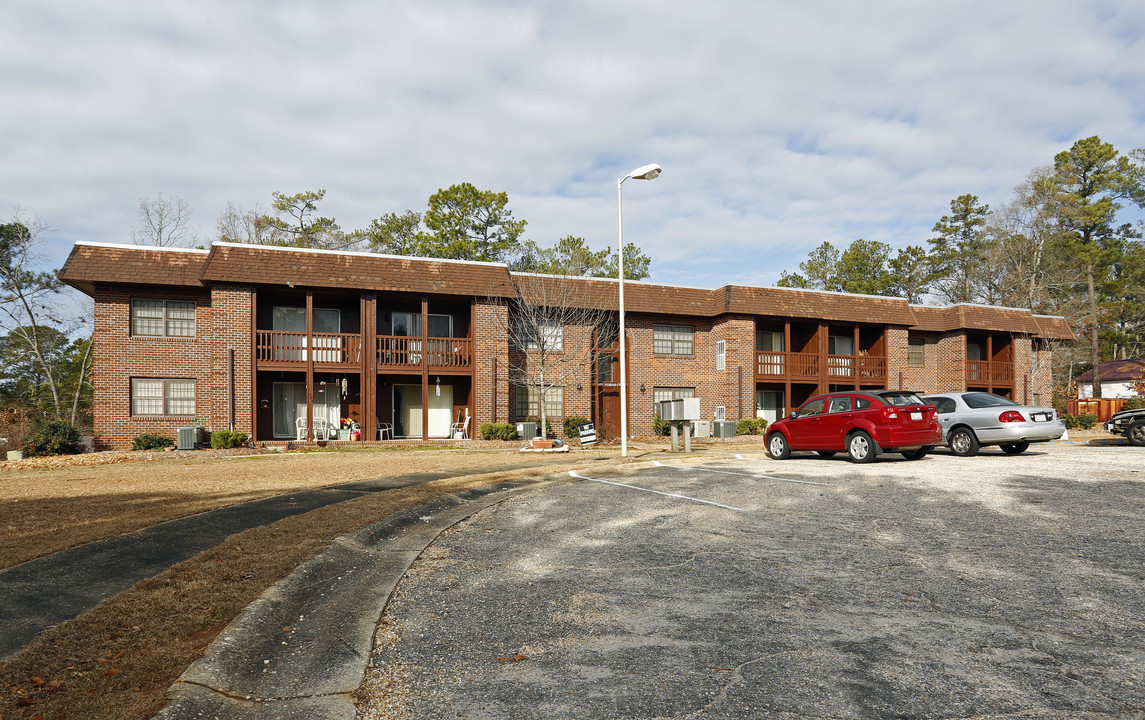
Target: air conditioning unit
(725, 428)
(188, 437)
(702, 428)
(527, 430)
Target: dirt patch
(47, 509)
(118, 660)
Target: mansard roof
(263, 265)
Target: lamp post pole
(644, 172)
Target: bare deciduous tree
(165, 222)
(543, 353)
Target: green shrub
(497, 431)
(570, 425)
(1133, 403)
(1070, 421)
(151, 441)
(224, 439)
(1086, 421)
(750, 426)
(661, 426)
(55, 437)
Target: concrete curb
(301, 649)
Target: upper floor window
(161, 396)
(840, 345)
(721, 355)
(673, 339)
(768, 341)
(532, 334)
(914, 347)
(163, 318)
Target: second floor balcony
(344, 350)
(807, 366)
(989, 373)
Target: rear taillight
(890, 413)
(1011, 416)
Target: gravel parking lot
(738, 587)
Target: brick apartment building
(279, 342)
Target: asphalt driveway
(743, 587)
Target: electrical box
(187, 438)
(527, 430)
(725, 428)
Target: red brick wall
(222, 320)
(490, 350)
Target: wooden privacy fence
(1103, 408)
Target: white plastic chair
(460, 429)
(300, 429)
(385, 429)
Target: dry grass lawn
(117, 661)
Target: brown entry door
(607, 371)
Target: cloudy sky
(778, 124)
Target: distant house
(1116, 375)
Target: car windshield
(986, 400)
(901, 398)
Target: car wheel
(1015, 448)
(826, 453)
(777, 447)
(918, 454)
(1136, 434)
(861, 448)
(963, 442)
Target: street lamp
(644, 172)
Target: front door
(606, 376)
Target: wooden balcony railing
(781, 364)
(989, 372)
(398, 353)
(277, 346)
(805, 366)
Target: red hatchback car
(861, 423)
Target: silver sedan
(973, 419)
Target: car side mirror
(794, 413)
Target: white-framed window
(162, 396)
(162, 318)
(670, 393)
(721, 413)
(721, 355)
(530, 334)
(528, 402)
(673, 339)
(914, 351)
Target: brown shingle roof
(359, 271)
(89, 263)
(995, 319)
(789, 302)
(1117, 371)
(1053, 327)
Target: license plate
(1040, 417)
(916, 416)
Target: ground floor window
(528, 402)
(162, 396)
(669, 393)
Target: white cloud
(778, 126)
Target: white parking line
(757, 477)
(575, 474)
